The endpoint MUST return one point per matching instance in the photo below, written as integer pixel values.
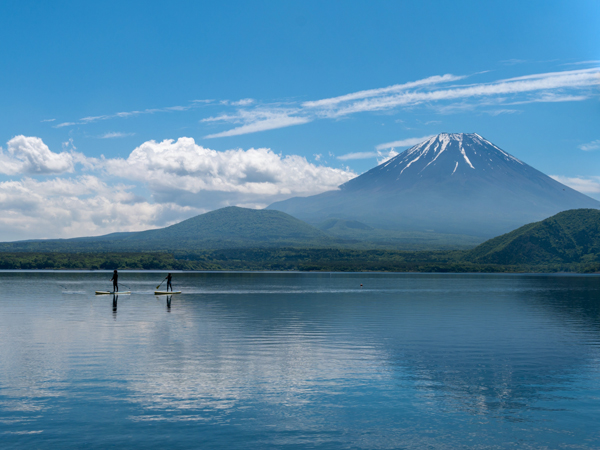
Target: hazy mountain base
(357, 235)
(311, 259)
(235, 228)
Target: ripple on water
(255, 360)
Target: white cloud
(431, 92)
(587, 185)
(594, 145)
(29, 155)
(126, 114)
(242, 102)
(114, 135)
(386, 156)
(185, 172)
(328, 102)
(380, 155)
(358, 155)
(179, 179)
(257, 120)
(409, 142)
(542, 83)
(277, 121)
(566, 86)
(83, 206)
(384, 152)
(497, 112)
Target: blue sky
(273, 99)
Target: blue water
(287, 360)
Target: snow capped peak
(450, 154)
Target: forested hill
(229, 227)
(569, 237)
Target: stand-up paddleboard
(113, 293)
(166, 292)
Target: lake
(299, 360)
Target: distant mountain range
(566, 242)
(450, 192)
(452, 184)
(230, 227)
(235, 227)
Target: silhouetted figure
(115, 281)
(169, 282)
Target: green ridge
(568, 237)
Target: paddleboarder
(169, 282)
(114, 279)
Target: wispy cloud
(115, 135)
(543, 84)
(587, 185)
(242, 102)
(257, 120)
(47, 120)
(590, 146)
(497, 112)
(594, 62)
(512, 62)
(328, 102)
(446, 94)
(126, 114)
(409, 142)
(440, 92)
(381, 155)
(358, 155)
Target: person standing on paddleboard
(169, 283)
(115, 279)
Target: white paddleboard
(166, 292)
(112, 293)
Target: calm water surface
(287, 360)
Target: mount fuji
(452, 183)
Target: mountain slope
(452, 183)
(568, 237)
(223, 228)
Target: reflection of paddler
(115, 279)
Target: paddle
(161, 283)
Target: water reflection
(410, 361)
(114, 305)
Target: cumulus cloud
(29, 155)
(81, 206)
(186, 172)
(178, 179)
(594, 145)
